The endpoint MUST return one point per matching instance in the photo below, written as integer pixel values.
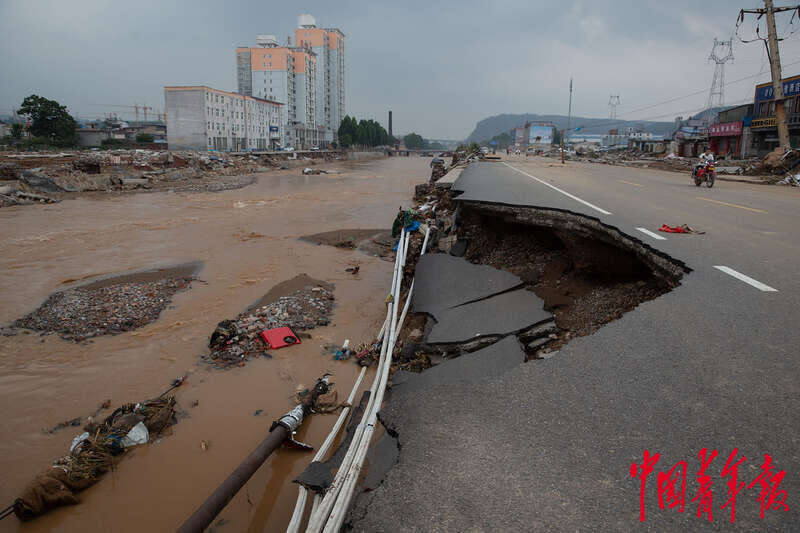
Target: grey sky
(439, 66)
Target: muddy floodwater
(247, 242)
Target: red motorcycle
(704, 173)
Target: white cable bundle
(329, 512)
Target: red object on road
(672, 229)
(279, 337)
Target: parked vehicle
(705, 173)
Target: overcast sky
(440, 66)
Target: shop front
(726, 139)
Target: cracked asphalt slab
(548, 445)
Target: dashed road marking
(565, 193)
(631, 183)
(747, 279)
(731, 205)
(653, 235)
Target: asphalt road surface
(713, 364)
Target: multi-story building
(202, 118)
(764, 128)
(285, 74)
(328, 46)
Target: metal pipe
(300, 505)
(205, 514)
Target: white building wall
(200, 118)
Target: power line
(702, 91)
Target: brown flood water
(45, 380)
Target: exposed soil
(111, 305)
(584, 282)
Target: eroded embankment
(503, 284)
(587, 273)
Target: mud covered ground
(377, 242)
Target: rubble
(234, 341)
(55, 175)
(105, 307)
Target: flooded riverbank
(247, 240)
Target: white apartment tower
(328, 47)
(288, 75)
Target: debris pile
(44, 178)
(103, 308)
(92, 454)
(236, 340)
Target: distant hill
(489, 127)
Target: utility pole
(569, 120)
(773, 53)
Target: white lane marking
(653, 235)
(747, 279)
(565, 193)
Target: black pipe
(281, 430)
(215, 503)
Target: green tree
(414, 141)
(49, 120)
(16, 130)
(145, 138)
(348, 130)
(364, 132)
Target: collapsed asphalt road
(550, 444)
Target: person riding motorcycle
(705, 157)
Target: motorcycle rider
(705, 157)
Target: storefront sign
(726, 129)
(765, 91)
(768, 122)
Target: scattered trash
(137, 435)
(322, 398)
(353, 269)
(679, 229)
(309, 170)
(78, 440)
(233, 341)
(92, 454)
(402, 220)
(279, 337)
(65, 424)
(258, 412)
(204, 445)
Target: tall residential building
(288, 75)
(328, 45)
(201, 118)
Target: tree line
(363, 132)
(414, 141)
